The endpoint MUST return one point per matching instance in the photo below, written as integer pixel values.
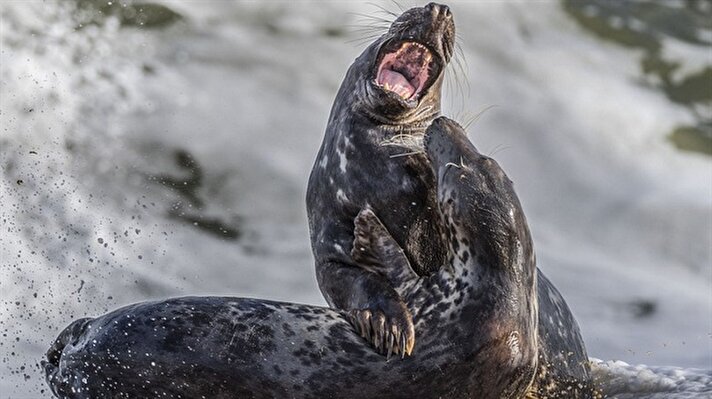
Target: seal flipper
(388, 325)
(375, 249)
(60, 384)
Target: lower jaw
(401, 117)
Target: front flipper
(386, 323)
(376, 250)
(388, 326)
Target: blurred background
(154, 149)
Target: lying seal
(391, 92)
(476, 317)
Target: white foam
(623, 381)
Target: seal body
(354, 168)
(563, 369)
(243, 348)
(477, 317)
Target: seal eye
(406, 70)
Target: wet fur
(355, 168)
(247, 348)
(475, 317)
(377, 160)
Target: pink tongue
(396, 83)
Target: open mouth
(406, 69)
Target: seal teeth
(366, 324)
(362, 327)
(379, 321)
(409, 342)
(390, 346)
(394, 338)
(402, 346)
(405, 70)
(374, 338)
(394, 344)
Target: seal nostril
(434, 8)
(439, 9)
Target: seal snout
(446, 143)
(439, 10)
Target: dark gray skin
(563, 369)
(354, 170)
(476, 317)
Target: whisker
(448, 84)
(359, 41)
(461, 60)
(487, 108)
(456, 100)
(400, 7)
(364, 33)
(367, 28)
(406, 154)
(372, 17)
(412, 142)
(361, 23)
(422, 112)
(383, 9)
(470, 120)
(476, 117)
(364, 29)
(459, 50)
(465, 118)
(497, 149)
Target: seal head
(406, 72)
(399, 76)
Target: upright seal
(391, 91)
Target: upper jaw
(405, 70)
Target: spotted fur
(562, 367)
(358, 166)
(479, 336)
(355, 168)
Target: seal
(390, 93)
(563, 368)
(477, 317)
